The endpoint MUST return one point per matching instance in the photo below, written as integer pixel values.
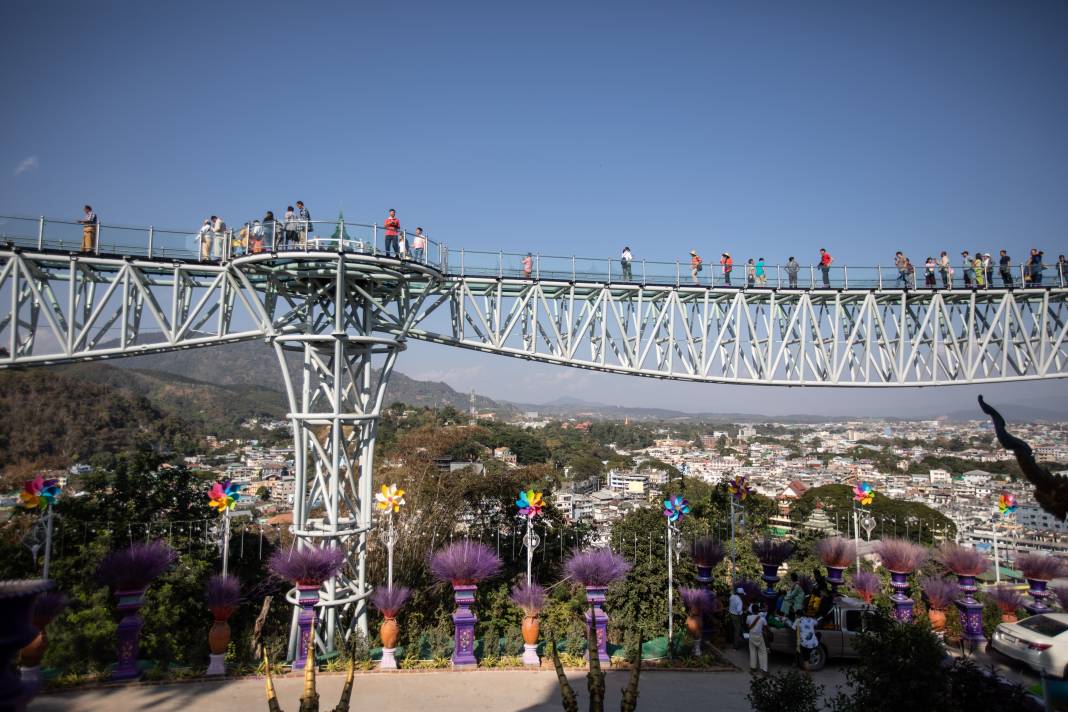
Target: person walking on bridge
(825, 267)
(624, 262)
(90, 229)
(969, 269)
(761, 274)
(728, 265)
(929, 268)
(792, 268)
(304, 219)
(392, 226)
(901, 262)
(528, 265)
(418, 245)
(695, 266)
(218, 228)
(988, 268)
(750, 273)
(980, 270)
(1005, 267)
(291, 227)
(945, 270)
(205, 239)
(1036, 266)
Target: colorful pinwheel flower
(675, 507)
(739, 488)
(863, 494)
(389, 498)
(223, 495)
(530, 503)
(1007, 503)
(39, 493)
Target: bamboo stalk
(567, 693)
(595, 677)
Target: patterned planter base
(595, 597)
(129, 634)
(307, 597)
(971, 611)
(463, 653)
(1038, 593)
(903, 605)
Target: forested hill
(255, 363)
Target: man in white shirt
(734, 610)
(624, 261)
(205, 240)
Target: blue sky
(558, 127)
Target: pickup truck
(836, 633)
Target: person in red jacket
(825, 267)
(728, 265)
(392, 226)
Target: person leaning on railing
(90, 229)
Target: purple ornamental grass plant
(836, 551)
(963, 561)
(1061, 592)
(223, 592)
(806, 583)
(464, 562)
(1040, 566)
(597, 568)
(697, 600)
(769, 551)
(1007, 598)
(530, 598)
(751, 588)
(706, 551)
(390, 600)
(136, 567)
(866, 584)
(900, 555)
(308, 566)
(940, 592)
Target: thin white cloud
(27, 164)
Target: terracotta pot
(31, 655)
(530, 630)
(1008, 617)
(389, 632)
(693, 624)
(938, 620)
(219, 637)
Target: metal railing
(279, 236)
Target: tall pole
(226, 543)
(391, 539)
(48, 540)
(670, 586)
(529, 540)
(997, 559)
(856, 534)
(733, 571)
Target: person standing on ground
(419, 245)
(792, 268)
(392, 226)
(624, 262)
(902, 274)
(761, 275)
(807, 642)
(968, 269)
(205, 239)
(304, 219)
(695, 265)
(750, 273)
(90, 229)
(728, 265)
(528, 265)
(734, 611)
(825, 267)
(1005, 266)
(758, 650)
(945, 270)
(291, 227)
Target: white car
(1041, 641)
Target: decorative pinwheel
(530, 503)
(863, 494)
(39, 493)
(739, 488)
(1007, 503)
(675, 507)
(389, 498)
(223, 496)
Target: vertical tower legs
(335, 398)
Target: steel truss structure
(337, 322)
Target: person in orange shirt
(728, 265)
(695, 265)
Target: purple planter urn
(771, 578)
(599, 619)
(129, 634)
(463, 652)
(899, 581)
(971, 610)
(307, 597)
(1038, 593)
(17, 599)
(704, 577)
(835, 578)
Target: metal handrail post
(374, 240)
(462, 262)
(500, 264)
(274, 234)
(845, 275)
(778, 276)
(643, 272)
(572, 268)
(228, 245)
(812, 274)
(879, 270)
(676, 273)
(40, 233)
(609, 261)
(96, 243)
(537, 266)
(151, 236)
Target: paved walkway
(440, 691)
